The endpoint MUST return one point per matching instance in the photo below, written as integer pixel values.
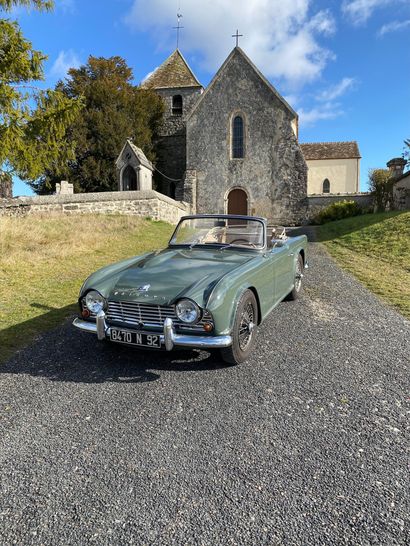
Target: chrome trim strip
(169, 338)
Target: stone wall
(139, 203)
(319, 202)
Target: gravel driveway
(306, 444)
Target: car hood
(165, 276)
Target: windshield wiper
(224, 245)
(194, 243)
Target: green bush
(337, 211)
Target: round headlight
(94, 301)
(187, 311)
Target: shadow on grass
(69, 355)
(20, 335)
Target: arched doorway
(129, 179)
(237, 202)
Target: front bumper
(169, 338)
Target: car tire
(244, 330)
(297, 287)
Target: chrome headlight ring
(187, 311)
(95, 302)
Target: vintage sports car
(218, 279)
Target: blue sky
(343, 65)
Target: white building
(334, 167)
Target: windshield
(226, 232)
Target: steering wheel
(243, 241)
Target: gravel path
(306, 444)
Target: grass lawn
(376, 249)
(44, 261)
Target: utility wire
(165, 176)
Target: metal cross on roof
(237, 36)
(178, 27)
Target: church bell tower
(175, 82)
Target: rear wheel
(297, 287)
(244, 330)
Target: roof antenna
(178, 27)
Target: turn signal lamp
(208, 327)
(85, 313)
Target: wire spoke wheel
(298, 275)
(246, 326)
(244, 330)
(298, 278)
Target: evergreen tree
(114, 110)
(33, 121)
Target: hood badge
(143, 288)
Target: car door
(283, 263)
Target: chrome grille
(133, 313)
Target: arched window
(238, 150)
(177, 105)
(326, 186)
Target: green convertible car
(218, 279)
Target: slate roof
(142, 158)
(174, 72)
(330, 150)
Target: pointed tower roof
(174, 72)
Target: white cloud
(323, 112)
(65, 61)
(281, 37)
(359, 11)
(393, 27)
(335, 91)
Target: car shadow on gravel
(67, 355)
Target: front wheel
(244, 330)
(297, 287)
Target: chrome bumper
(169, 337)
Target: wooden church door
(237, 202)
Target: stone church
(230, 148)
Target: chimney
(396, 166)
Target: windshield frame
(220, 245)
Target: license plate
(135, 338)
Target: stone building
(175, 82)
(401, 187)
(234, 147)
(333, 167)
(134, 171)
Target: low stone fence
(147, 203)
(319, 202)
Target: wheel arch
(258, 303)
